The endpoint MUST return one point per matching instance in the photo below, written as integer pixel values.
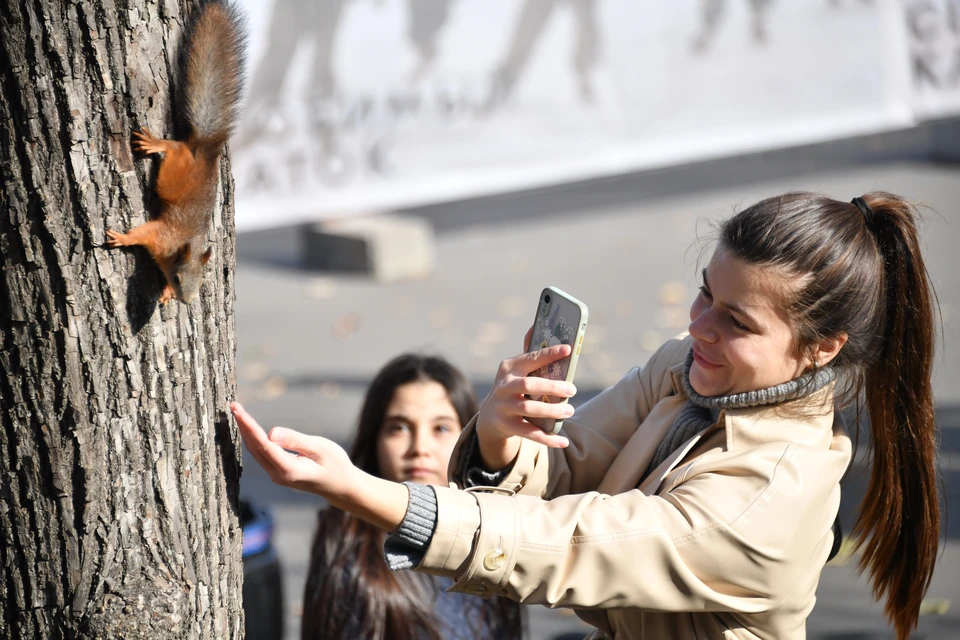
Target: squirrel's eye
(176, 280)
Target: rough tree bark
(119, 466)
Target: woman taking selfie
(696, 497)
(409, 423)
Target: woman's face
(419, 431)
(742, 340)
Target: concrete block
(946, 135)
(388, 247)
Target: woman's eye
(395, 427)
(738, 324)
(705, 292)
(444, 428)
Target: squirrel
(212, 70)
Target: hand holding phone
(560, 319)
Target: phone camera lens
(546, 298)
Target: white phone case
(560, 319)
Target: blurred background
(411, 173)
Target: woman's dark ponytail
(899, 522)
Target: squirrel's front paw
(117, 239)
(167, 294)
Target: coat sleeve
(725, 539)
(597, 433)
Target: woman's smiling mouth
(703, 362)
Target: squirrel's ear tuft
(205, 256)
(182, 254)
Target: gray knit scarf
(700, 412)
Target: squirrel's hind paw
(146, 143)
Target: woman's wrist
(496, 451)
(380, 502)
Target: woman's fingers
(532, 432)
(536, 386)
(527, 363)
(312, 447)
(527, 391)
(288, 439)
(254, 439)
(269, 454)
(244, 420)
(502, 413)
(538, 409)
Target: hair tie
(865, 210)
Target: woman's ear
(828, 349)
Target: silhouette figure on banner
(528, 31)
(293, 23)
(427, 20)
(712, 12)
(296, 23)
(711, 15)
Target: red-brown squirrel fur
(212, 67)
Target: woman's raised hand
(504, 412)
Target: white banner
(364, 105)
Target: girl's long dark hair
(350, 592)
(861, 272)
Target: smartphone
(560, 319)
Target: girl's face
(419, 431)
(742, 340)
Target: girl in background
(411, 418)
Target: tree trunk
(119, 464)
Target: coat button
(494, 559)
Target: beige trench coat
(725, 539)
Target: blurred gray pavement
(307, 343)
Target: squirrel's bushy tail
(213, 62)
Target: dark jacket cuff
(474, 473)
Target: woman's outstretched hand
(504, 412)
(324, 468)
